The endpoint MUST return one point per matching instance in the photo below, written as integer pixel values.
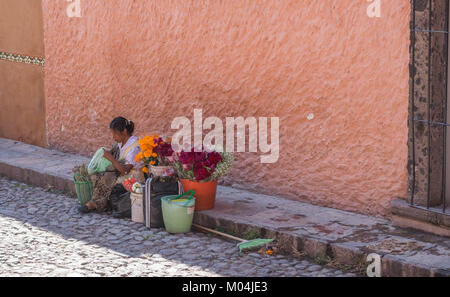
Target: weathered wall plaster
(151, 61)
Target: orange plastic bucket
(205, 193)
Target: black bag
(119, 202)
(159, 187)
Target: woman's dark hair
(120, 124)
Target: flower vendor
(124, 162)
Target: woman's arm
(123, 169)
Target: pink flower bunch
(201, 163)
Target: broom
(243, 245)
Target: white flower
(137, 188)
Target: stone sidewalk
(42, 234)
(323, 234)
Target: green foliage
(322, 260)
(183, 174)
(223, 167)
(252, 234)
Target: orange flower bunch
(154, 151)
(147, 153)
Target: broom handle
(217, 232)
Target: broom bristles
(253, 244)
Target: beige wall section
(154, 60)
(22, 112)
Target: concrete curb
(341, 253)
(37, 178)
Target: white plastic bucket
(137, 207)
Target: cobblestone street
(42, 234)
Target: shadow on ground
(56, 212)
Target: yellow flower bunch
(147, 144)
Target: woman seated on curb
(123, 158)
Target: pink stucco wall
(151, 61)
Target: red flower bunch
(163, 148)
(128, 183)
(202, 164)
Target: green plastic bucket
(84, 191)
(178, 213)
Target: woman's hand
(123, 169)
(127, 168)
(107, 155)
